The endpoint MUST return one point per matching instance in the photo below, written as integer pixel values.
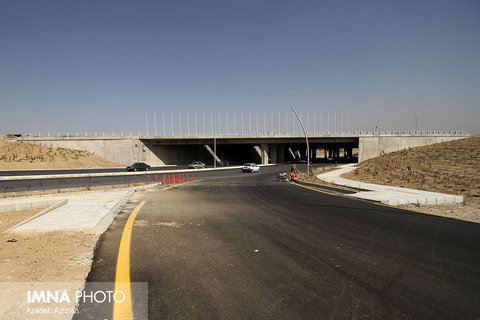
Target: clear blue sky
(98, 65)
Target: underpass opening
(260, 150)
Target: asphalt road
(46, 184)
(248, 247)
(7, 173)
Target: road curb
(41, 213)
(389, 195)
(105, 222)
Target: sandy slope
(450, 167)
(23, 155)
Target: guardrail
(233, 134)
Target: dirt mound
(23, 155)
(450, 167)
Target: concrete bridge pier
(280, 153)
(264, 149)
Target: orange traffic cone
(186, 178)
(193, 178)
(173, 179)
(148, 179)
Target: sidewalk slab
(387, 194)
(82, 213)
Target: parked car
(138, 166)
(250, 167)
(196, 165)
(223, 163)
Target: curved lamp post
(306, 138)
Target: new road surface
(45, 180)
(249, 247)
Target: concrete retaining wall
(373, 146)
(124, 151)
(160, 151)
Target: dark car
(223, 163)
(138, 166)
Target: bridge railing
(121, 134)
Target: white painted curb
(387, 194)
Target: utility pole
(242, 122)
(271, 122)
(348, 122)
(179, 123)
(328, 122)
(146, 122)
(163, 122)
(341, 122)
(155, 121)
(215, 141)
(376, 126)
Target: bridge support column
(349, 152)
(264, 148)
(280, 153)
(273, 153)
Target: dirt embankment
(450, 167)
(23, 156)
(43, 256)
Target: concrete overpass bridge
(238, 148)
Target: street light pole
(215, 140)
(306, 138)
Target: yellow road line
(399, 208)
(123, 310)
(180, 184)
(314, 189)
(430, 214)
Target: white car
(250, 167)
(196, 165)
